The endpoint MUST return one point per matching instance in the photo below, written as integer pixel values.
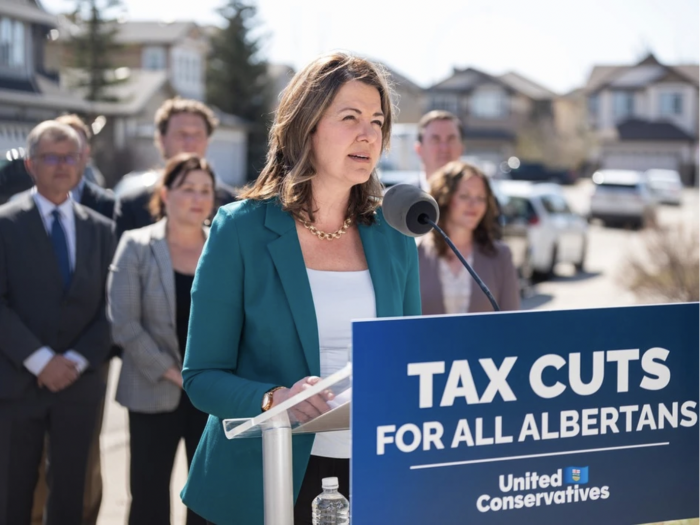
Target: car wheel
(580, 265)
(526, 277)
(553, 262)
(539, 275)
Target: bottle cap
(329, 483)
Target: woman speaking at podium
(281, 277)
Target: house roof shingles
(467, 79)
(638, 75)
(139, 32)
(130, 96)
(27, 11)
(527, 87)
(635, 129)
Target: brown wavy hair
(174, 176)
(443, 186)
(289, 170)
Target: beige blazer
(141, 308)
(497, 272)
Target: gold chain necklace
(328, 236)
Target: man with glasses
(439, 142)
(92, 196)
(86, 192)
(54, 258)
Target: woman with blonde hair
(468, 213)
(283, 274)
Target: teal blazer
(253, 327)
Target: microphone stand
(423, 218)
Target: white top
(36, 362)
(456, 288)
(339, 297)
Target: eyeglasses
(51, 159)
(474, 199)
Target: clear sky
(553, 42)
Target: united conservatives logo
(576, 475)
(535, 490)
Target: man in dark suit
(54, 259)
(94, 197)
(182, 126)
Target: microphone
(414, 213)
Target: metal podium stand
(276, 427)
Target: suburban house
(28, 93)
(177, 48)
(645, 116)
(409, 99)
(155, 61)
(502, 115)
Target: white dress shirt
(456, 288)
(339, 297)
(36, 362)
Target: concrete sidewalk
(115, 463)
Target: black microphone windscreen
(404, 204)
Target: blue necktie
(60, 246)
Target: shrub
(666, 269)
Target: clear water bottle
(330, 507)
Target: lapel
(83, 243)
(430, 277)
(381, 268)
(39, 240)
(161, 253)
(289, 262)
(88, 198)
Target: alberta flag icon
(578, 475)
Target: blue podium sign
(576, 417)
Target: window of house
(12, 44)
(154, 58)
(671, 104)
(593, 105)
(623, 103)
(489, 104)
(17, 58)
(446, 103)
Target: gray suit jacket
(141, 307)
(497, 272)
(35, 311)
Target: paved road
(608, 249)
(598, 287)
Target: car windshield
(555, 204)
(516, 209)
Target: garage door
(640, 161)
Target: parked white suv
(622, 196)
(665, 185)
(555, 233)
